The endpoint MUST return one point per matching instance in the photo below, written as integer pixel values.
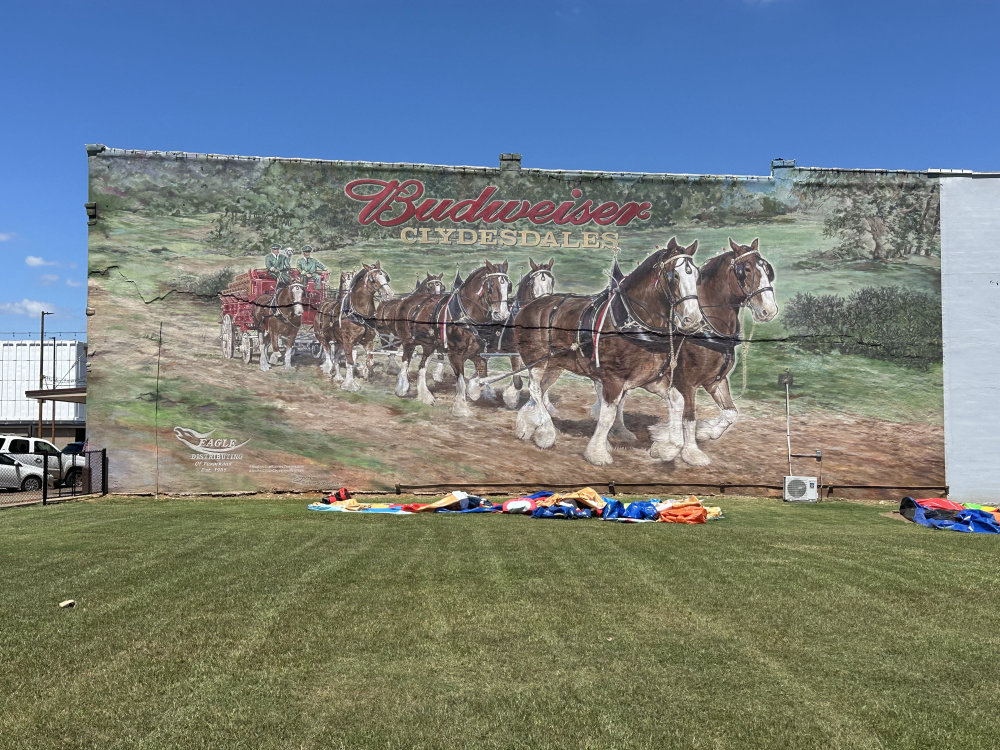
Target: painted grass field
(252, 623)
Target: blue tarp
(640, 510)
(969, 520)
(560, 511)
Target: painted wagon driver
(277, 264)
(309, 267)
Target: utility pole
(41, 370)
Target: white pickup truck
(64, 469)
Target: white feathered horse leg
(262, 341)
(713, 429)
(598, 451)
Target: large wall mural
(288, 324)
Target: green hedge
(889, 323)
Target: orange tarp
(587, 497)
(685, 511)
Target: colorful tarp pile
(584, 503)
(941, 513)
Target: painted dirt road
(314, 436)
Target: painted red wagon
(238, 330)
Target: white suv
(64, 469)
(17, 476)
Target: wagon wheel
(228, 339)
(246, 347)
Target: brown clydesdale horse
(278, 317)
(330, 360)
(448, 323)
(538, 282)
(738, 277)
(622, 338)
(388, 312)
(349, 320)
(499, 337)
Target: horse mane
(711, 267)
(522, 285)
(357, 279)
(479, 272)
(648, 265)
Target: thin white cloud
(6, 236)
(34, 261)
(70, 282)
(48, 278)
(25, 307)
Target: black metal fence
(85, 474)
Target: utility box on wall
(800, 490)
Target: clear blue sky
(703, 86)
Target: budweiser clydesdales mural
(291, 324)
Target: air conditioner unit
(801, 490)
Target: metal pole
(41, 371)
(156, 413)
(788, 428)
(53, 431)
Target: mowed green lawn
(249, 623)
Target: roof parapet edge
(458, 169)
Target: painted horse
(736, 278)
(387, 313)
(277, 317)
(538, 282)
(324, 315)
(349, 320)
(449, 323)
(623, 338)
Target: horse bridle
(542, 272)
(708, 326)
(479, 294)
(763, 265)
(668, 293)
(432, 286)
(671, 274)
(295, 281)
(368, 275)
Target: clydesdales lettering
(390, 203)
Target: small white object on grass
(68, 603)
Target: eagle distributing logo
(205, 444)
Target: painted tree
(884, 219)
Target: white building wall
(19, 361)
(970, 292)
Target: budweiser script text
(390, 203)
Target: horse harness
(352, 315)
(276, 309)
(615, 306)
(488, 331)
(449, 310)
(724, 343)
